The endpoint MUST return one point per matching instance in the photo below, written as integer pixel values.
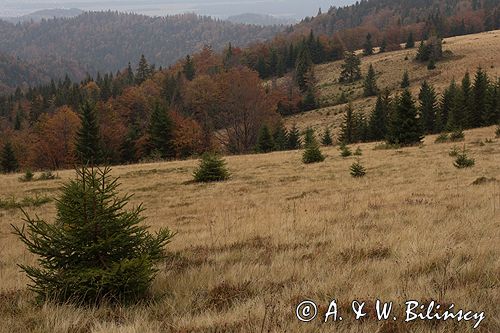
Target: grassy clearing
(250, 249)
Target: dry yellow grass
(469, 52)
(248, 250)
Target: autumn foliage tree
(55, 139)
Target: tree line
(404, 120)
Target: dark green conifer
(189, 69)
(350, 69)
(143, 70)
(265, 142)
(428, 107)
(8, 160)
(410, 42)
(280, 137)
(303, 69)
(88, 142)
(405, 128)
(312, 153)
(212, 169)
(160, 132)
(370, 84)
(309, 136)
(327, 140)
(378, 118)
(405, 82)
(294, 138)
(94, 251)
(368, 45)
(357, 169)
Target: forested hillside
(107, 41)
(393, 19)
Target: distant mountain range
(44, 14)
(107, 41)
(261, 19)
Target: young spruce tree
(212, 169)
(327, 140)
(95, 250)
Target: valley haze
(294, 9)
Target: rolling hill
(108, 41)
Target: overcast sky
(217, 8)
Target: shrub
(497, 132)
(457, 135)
(12, 203)
(47, 175)
(442, 138)
(312, 154)
(357, 170)
(358, 152)
(212, 169)
(95, 250)
(27, 177)
(463, 161)
(345, 151)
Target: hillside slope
(469, 52)
(249, 250)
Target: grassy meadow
(250, 249)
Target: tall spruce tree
(383, 46)
(405, 127)
(188, 68)
(451, 110)
(95, 251)
(143, 70)
(350, 69)
(370, 84)
(368, 45)
(8, 160)
(405, 82)
(428, 107)
(467, 101)
(161, 132)
(303, 69)
(294, 138)
(378, 118)
(447, 108)
(347, 128)
(265, 142)
(410, 41)
(480, 92)
(280, 137)
(88, 141)
(490, 116)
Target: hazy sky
(218, 8)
